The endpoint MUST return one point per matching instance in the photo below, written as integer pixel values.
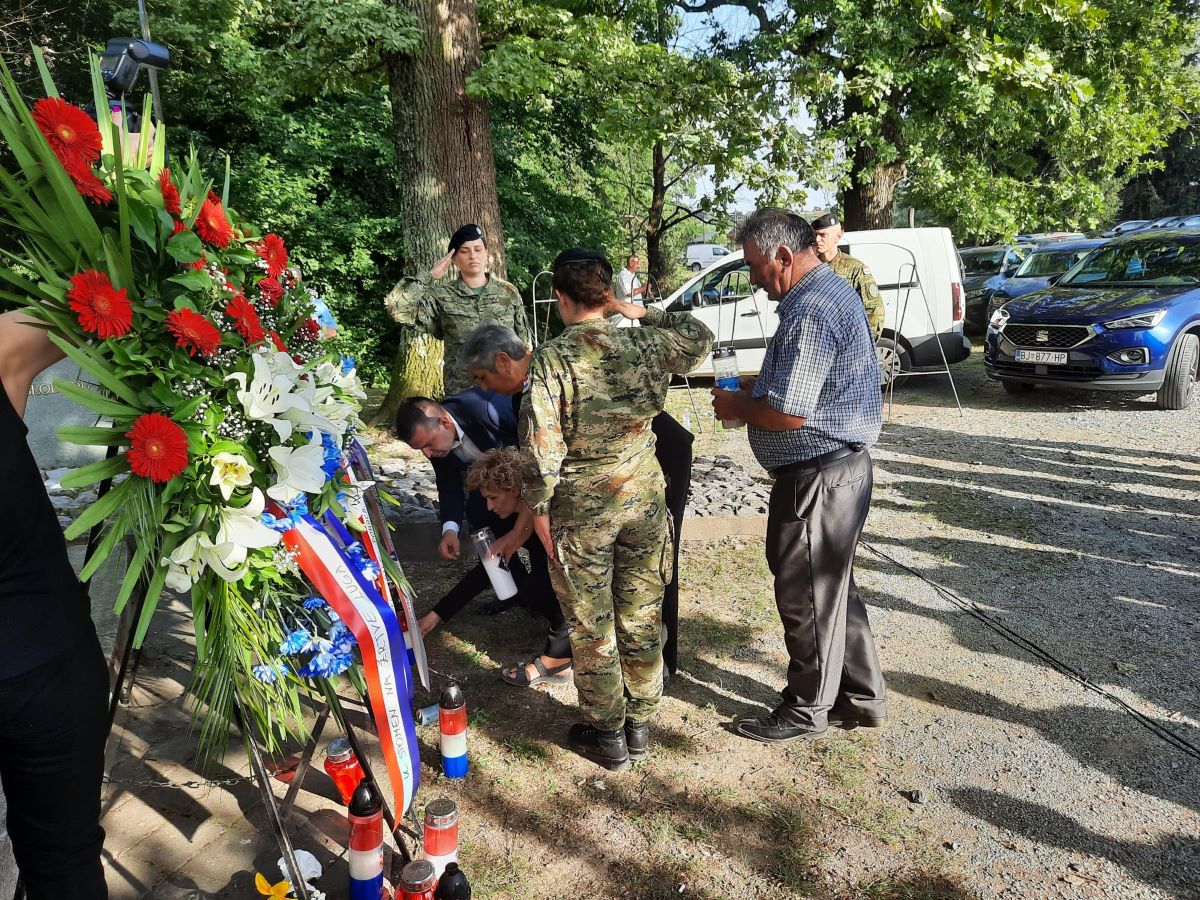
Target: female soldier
(598, 490)
(448, 310)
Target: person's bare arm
(25, 350)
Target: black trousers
(53, 724)
(536, 593)
(673, 448)
(813, 528)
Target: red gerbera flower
(170, 193)
(245, 319)
(102, 309)
(177, 227)
(157, 448)
(277, 341)
(309, 330)
(212, 224)
(71, 132)
(272, 249)
(86, 182)
(193, 331)
(271, 290)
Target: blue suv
(1124, 318)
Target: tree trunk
(446, 170)
(464, 133)
(867, 203)
(656, 263)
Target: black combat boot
(637, 740)
(604, 748)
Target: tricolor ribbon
(378, 541)
(322, 558)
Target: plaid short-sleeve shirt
(821, 365)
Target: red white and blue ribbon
(378, 541)
(373, 621)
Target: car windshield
(728, 284)
(1044, 263)
(982, 261)
(1142, 262)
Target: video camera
(123, 58)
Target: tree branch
(765, 25)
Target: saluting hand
(443, 266)
(625, 308)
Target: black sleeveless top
(44, 610)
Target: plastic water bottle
(725, 377)
(496, 568)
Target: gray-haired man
(497, 360)
(812, 413)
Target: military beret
(470, 232)
(579, 255)
(826, 221)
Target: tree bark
(867, 202)
(446, 169)
(656, 263)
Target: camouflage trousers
(613, 564)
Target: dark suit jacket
(488, 420)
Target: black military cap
(826, 221)
(470, 232)
(579, 255)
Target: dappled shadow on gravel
(1103, 739)
(1169, 862)
(1091, 552)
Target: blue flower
(283, 526)
(342, 637)
(294, 643)
(341, 661)
(320, 666)
(266, 674)
(315, 603)
(366, 565)
(333, 455)
(348, 365)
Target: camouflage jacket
(449, 310)
(860, 279)
(591, 395)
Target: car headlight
(1141, 320)
(999, 318)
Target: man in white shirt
(629, 287)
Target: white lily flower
(298, 469)
(230, 470)
(242, 530)
(194, 554)
(270, 394)
(348, 383)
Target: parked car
(701, 255)
(910, 265)
(1167, 222)
(1126, 227)
(985, 269)
(1190, 222)
(1125, 318)
(1041, 268)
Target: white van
(910, 265)
(701, 255)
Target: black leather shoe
(637, 740)
(850, 719)
(604, 748)
(773, 730)
(495, 607)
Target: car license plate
(1044, 357)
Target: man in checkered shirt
(812, 413)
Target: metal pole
(150, 73)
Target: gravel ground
(1069, 517)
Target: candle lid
(418, 875)
(339, 750)
(441, 813)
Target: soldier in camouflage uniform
(450, 310)
(829, 232)
(598, 495)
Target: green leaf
(92, 363)
(192, 281)
(94, 401)
(47, 81)
(185, 247)
(98, 471)
(102, 508)
(116, 531)
(87, 436)
(153, 593)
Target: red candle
(343, 768)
